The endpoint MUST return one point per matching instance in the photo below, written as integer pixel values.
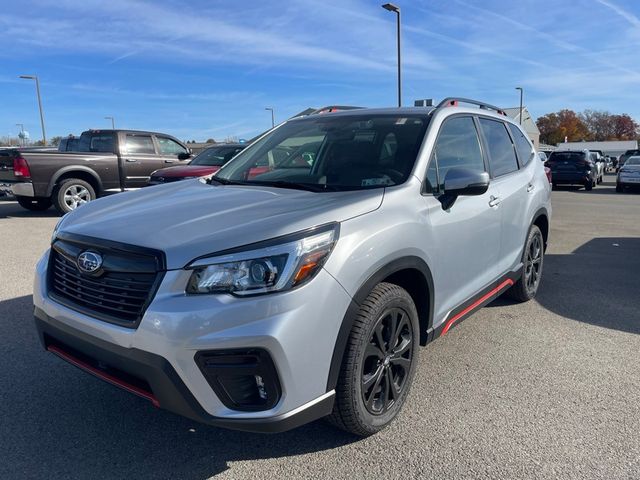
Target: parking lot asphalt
(547, 389)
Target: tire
(619, 188)
(532, 262)
(588, 186)
(72, 193)
(35, 204)
(370, 366)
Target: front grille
(118, 294)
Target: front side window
(457, 146)
(333, 152)
(502, 153)
(139, 144)
(168, 146)
(524, 148)
(215, 156)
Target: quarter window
(524, 148)
(140, 144)
(457, 146)
(502, 154)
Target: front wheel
(588, 186)
(532, 261)
(72, 193)
(379, 362)
(35, 204)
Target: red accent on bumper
(474, 305)
(103, 375)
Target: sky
(208, 68)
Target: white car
(629, 174)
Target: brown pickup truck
(106, 161)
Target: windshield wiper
(224, 181)
(309, 187)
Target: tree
(624, 127)
(210, 140)
(600, 125)
(55, 141)
(555, 127)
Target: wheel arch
(541, 220)
(79, 172)
(411, 273)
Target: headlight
(270, 268)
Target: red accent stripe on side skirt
(474, 305)
(103, 375)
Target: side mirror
(184, 156)
(463, 181)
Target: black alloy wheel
(533, 263)
(387, 361)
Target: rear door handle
(531, 188)
(494, 201)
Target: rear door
(169, 150)
(467, 236)
(511, 184)
(139, 159)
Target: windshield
(567, 157)
(342, 152)
(633, 161)
(216, 156)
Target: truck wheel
(532, 261)
(35, 204)
(588, 186)
(379, 362)
(72, 193)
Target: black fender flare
(402, 263)
(73, 168)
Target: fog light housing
(244, 380)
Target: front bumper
(298, 335)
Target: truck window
(92, 142)
(170, 147)
(139, 144)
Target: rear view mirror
(184, 156)
(463, 181)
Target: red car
(205, 163)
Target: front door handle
(531, 188)
(168, 161)
(130, 160)
(494, 201)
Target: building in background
(613, 148)
(528, 124)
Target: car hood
(191, 218)
(186, 171)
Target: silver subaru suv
(300, 281)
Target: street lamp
(393, 8)
(34, 77)
(113, 122)
(521, 93)
(273, 118)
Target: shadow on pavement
(10, 208)
(59, 422)
(598, 283)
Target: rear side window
(168, 146)
(524, 148)
(140, 144)
(92, 142)
(457, 146)
(502, 155)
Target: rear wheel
(35, 204)
(588, 186)
(619, 188)
(379, 362)
(532, 261)
(72, 193)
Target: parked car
(207, 162)
(262, 304)
(608, 163)
(107, 161)
(623, 158)
(629, 174)
(598, 161)
(614, 161)
(573, 167)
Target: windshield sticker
(375, 182)
(401, 121)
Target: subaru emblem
(89, 262)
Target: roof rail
(454, 101)
(334, 108)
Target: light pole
(34, 77)
(394, 8)
(521, 93)
(21, 137)
(273, 118)
(113, 122)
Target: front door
(465, 239)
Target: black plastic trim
(166, 386)
(397, 265)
